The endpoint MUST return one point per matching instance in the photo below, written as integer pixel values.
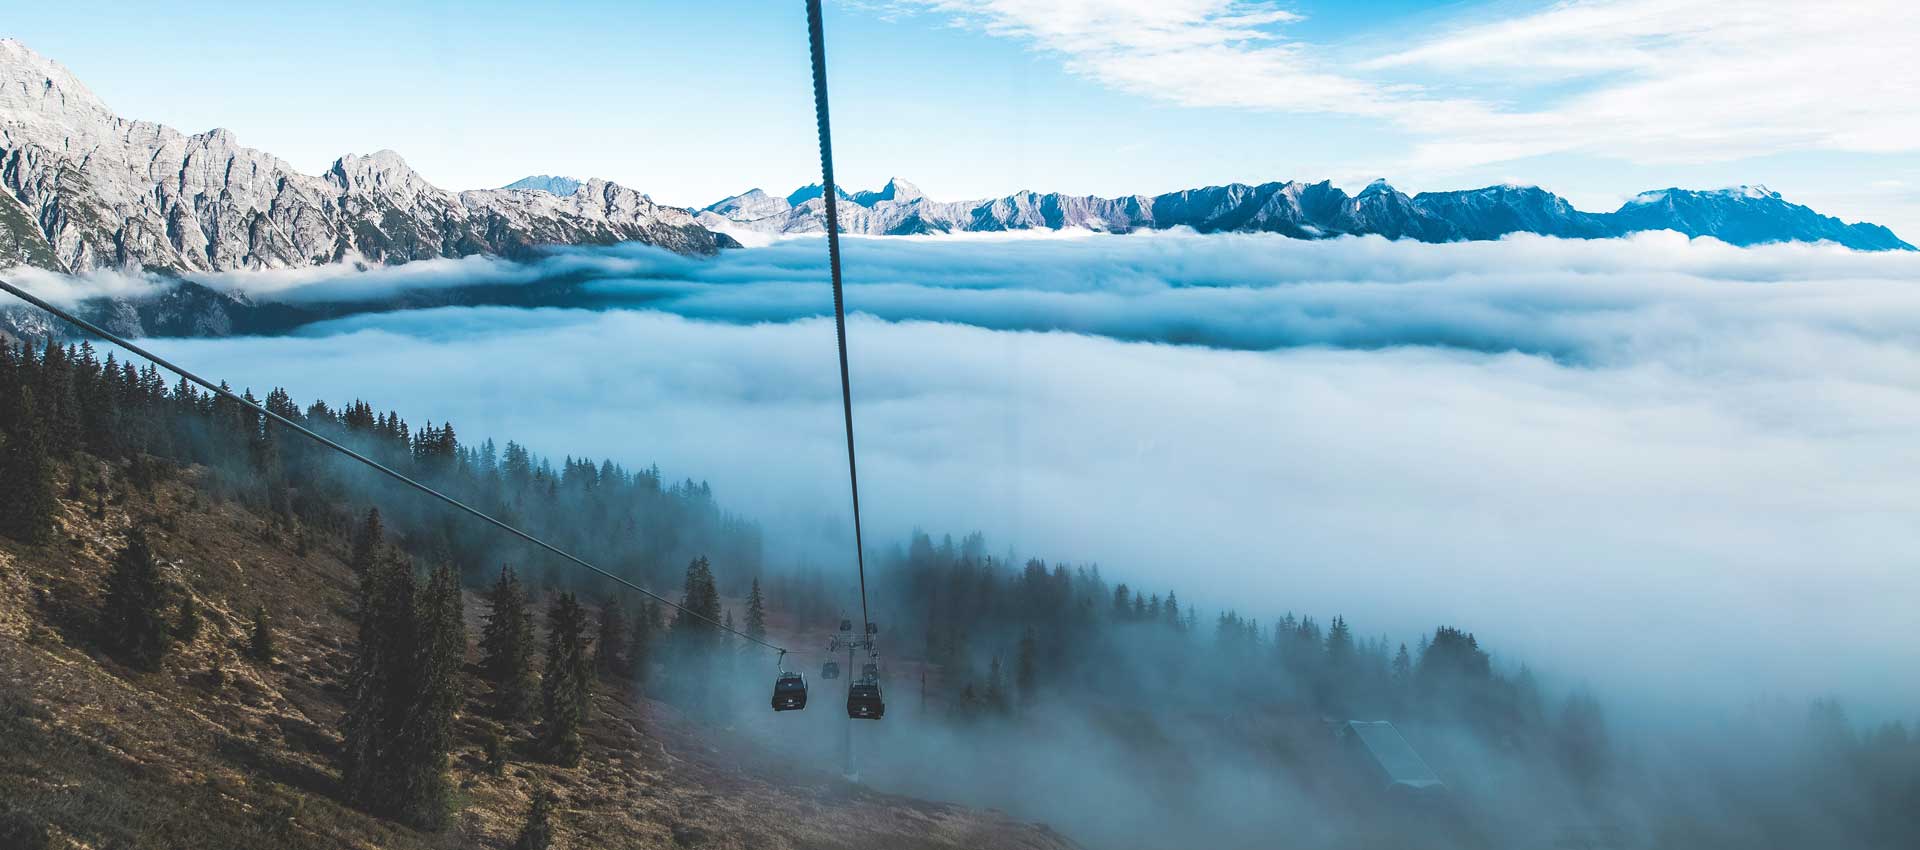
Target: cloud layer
(1649, 462)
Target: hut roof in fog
(1391, 753)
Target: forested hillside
(209, 639)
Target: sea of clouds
(1653, 463)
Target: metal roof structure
(1391, 754)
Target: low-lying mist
(1674, 465)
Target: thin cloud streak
(1648, 81)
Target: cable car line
(816, 40)
(863, 694)
(370, 462)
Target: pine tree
(537, 834)
(506, 646)
(59, 407)
(186, 627)
(756, 613)
(366, 543)
(1026, 674)
(640, 642)
(1339, 645)
(260, 645)
(426, 736)
(133, 621)
(694, 634)
(699, 605)
(380, 692)
(27, 512)
(566, 684)
(612, 639)
(1402, 667)
(404, 691)
(996, 687)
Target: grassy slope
(214, 750)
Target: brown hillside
(214, 750)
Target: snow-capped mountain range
(82, 189)
(1746, 215)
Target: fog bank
(1681, 472)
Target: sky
(1595, 100)
(1673, 469)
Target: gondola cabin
(864, 702)
(790, 692)
(830, 670)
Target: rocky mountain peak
(897, 190)
(564, 187)
(30, 82)
(1379, 186)
(381, 173)
(39, 91)
(813, 191)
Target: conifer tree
(260, 644)
(133, 621)
(27, 512)
(612, 640)
(404, 691)
(566, 684)
(756, 613)
(426, 736)
(1026, 674)
(640, 642)
(59, 407)
(380, 692)
(506, 646)
(366, 542)
(1339, 644)
(1402, 667)
(694, 634)
(700, 597)
(186, 627)
(996, 687)
(537, 833)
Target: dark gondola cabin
(830, 670)
(863, 700)
(846, 625)
(790, 692)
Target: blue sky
(690, 102)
